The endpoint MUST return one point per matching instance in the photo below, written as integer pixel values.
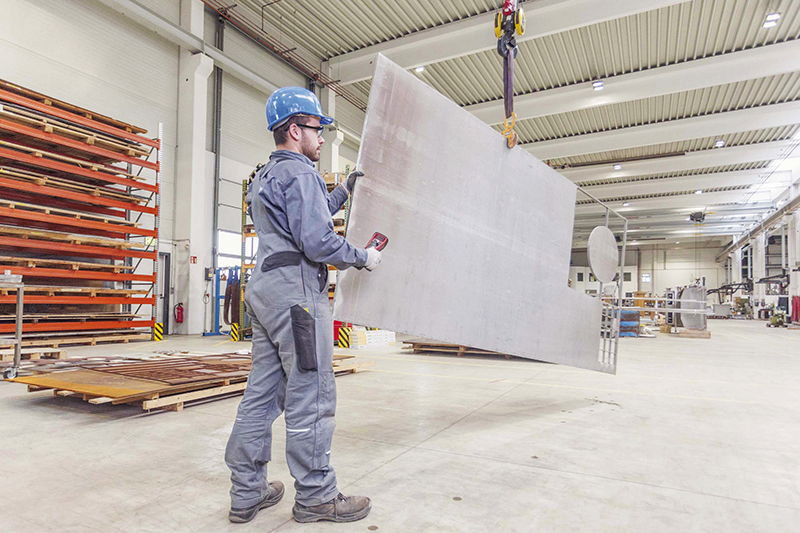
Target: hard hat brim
(323, 120)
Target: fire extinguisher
(179, 313)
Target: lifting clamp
(509, 23)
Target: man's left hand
(255, 171)
(351, 180)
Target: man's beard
(310, 151)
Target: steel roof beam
(475, 34)
(716, 124)
(697, 181)
(733, 155)
(723, 69)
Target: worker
(287, 301)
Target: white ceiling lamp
(617, 167)
(688, 219)
(419, 69)
(598, 85)
(677, 242)
(720, 143)
(699, 191)
(625, 204)
(772, 20)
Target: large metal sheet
(479, 235)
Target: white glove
(373, 259)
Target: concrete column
(793, 233)
(192, 239)
(736, 274)
(759, 266)
(329, 156)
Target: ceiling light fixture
(625, 204)
(598, 85)
(720, 143)
(699, 191)
(419, 69)
(617, 167)
(772, 20)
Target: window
(626, 276)
(591, 277)
(229, 252)
(645, 278)
(580, 276)
(227, 261)
(230, 243)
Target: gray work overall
(287, 302)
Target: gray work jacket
(291, 210)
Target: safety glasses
(320, 129)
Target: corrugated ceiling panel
(755, 165)
(730, 97)
(333, 28)
(686, 192)
(705, 143)
(675, 34)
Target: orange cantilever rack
(79, 220)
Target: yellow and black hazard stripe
(158, 332)
(344, 336)
(234, 331)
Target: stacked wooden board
(79, 203)
(424, 346)
(164, 380)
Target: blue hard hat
(289, 101)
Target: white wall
(671, 267)
(586, 285)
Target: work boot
(274, 495)
(340, 509)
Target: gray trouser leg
(310, 409)
(310, 403)
(249, 447)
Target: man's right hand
(373, 259)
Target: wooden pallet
(82, 317)
(438, 347)
(49, 125)
(349, 367)
(71, 238)
(95, 191)
(55, 102)
(694, 334)
(83, 340)
(33, 354)
(117, 380)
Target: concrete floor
(690, 435)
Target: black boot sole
(253, 511)
(328, 518)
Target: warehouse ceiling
(700, 109)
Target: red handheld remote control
(378, 241)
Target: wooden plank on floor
(196, 395)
